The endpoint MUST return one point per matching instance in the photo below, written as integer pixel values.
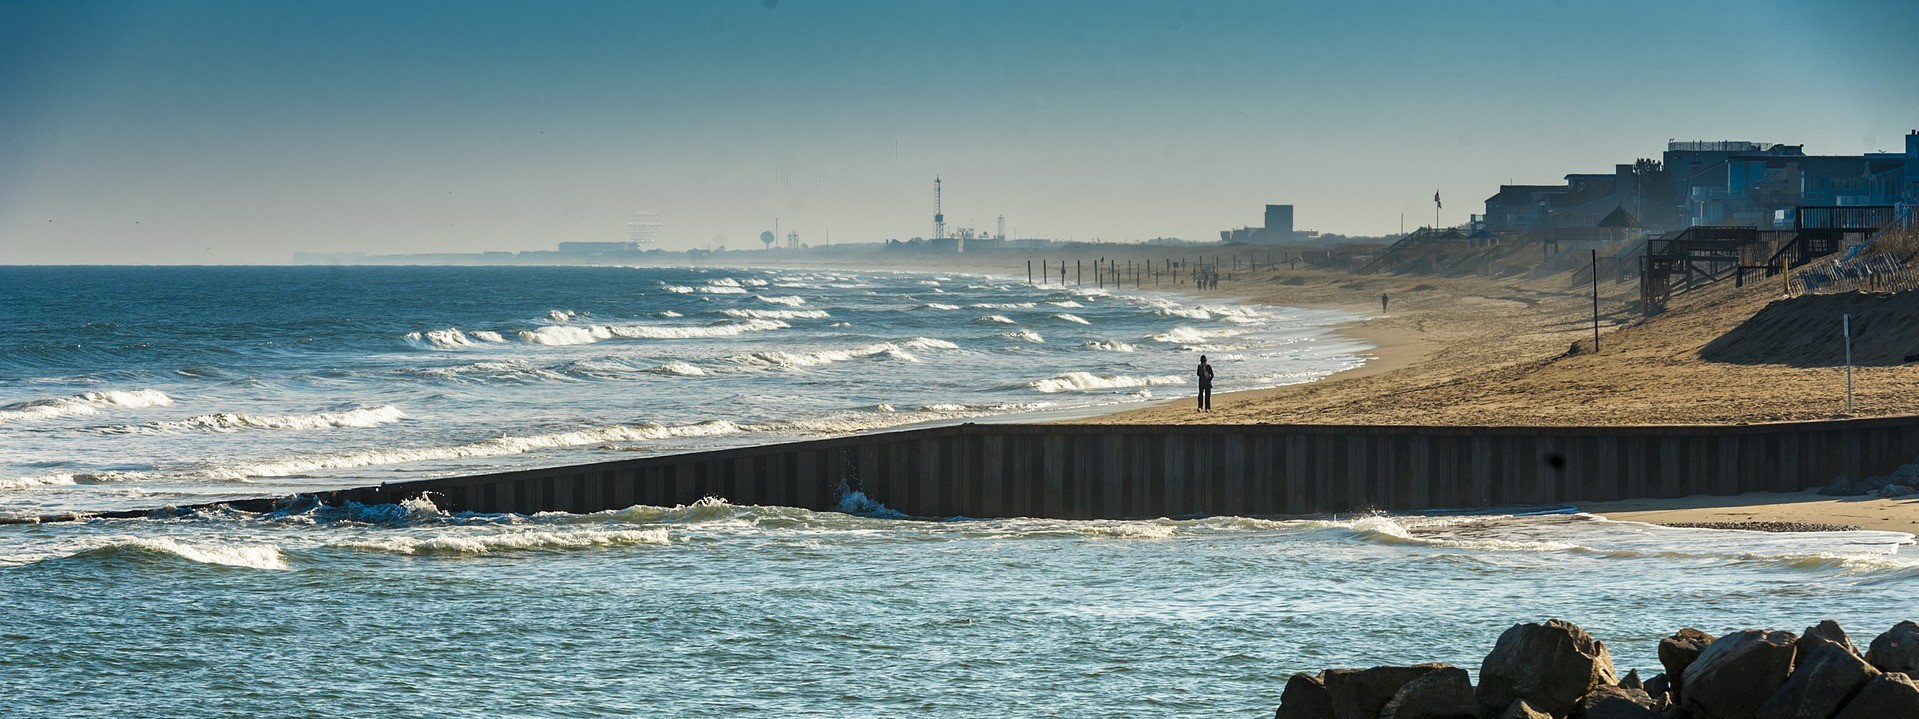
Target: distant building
(596, 247)
(1278, 229)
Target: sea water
(717, 610)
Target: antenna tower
(939, 220)
(1002, 227)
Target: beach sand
(1891, 515)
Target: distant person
(1382, 302)
(1205, 385)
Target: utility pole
(1595, 301)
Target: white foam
(1188, 335)
(997, 319)
(496, 447)
(574, 335)
(724, 282)
(1110, 345)
(252, 556)
(939, 306)
(1005, 305)
(928, 343)
(1072, 318)
(1065, 303)
(562, 315)
(823, 357)
(56, 479)
(723, 290)
(776, 314)
(790, 301)
(1084, 381)
(1024, 336)
(677, 289)
(488, 336)
(449, 338)
(86, 403)
(234, 421)
(679, 368)
(670, 313)
(514, 539)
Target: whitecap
(1072, 318)
(1084, 381)
(1024, 336)
(86, 403)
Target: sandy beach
(1890, 515)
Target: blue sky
(243, 131)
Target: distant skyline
(241, 132)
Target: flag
(1436, 199)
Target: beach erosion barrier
(1133, 471)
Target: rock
(1840, 486)
(1610, 702)
(1827, 677)
(1658, 686)
(1550, 665)
(1736, 674)
(1631, 681)
(1362, 693)
(1305, 697)
(1678, 652)
(1897, 650)
(1443, 694)
(1827, 631)
(1906, 473)
(1896, 490)
(1522, 709)
(1891, 695)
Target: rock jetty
(1556, 670)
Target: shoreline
(1761, 508)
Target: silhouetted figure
(1382, 302)
(1205, 385)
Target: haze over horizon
(227, 132)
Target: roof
(1620, 218)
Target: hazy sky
(189, 132)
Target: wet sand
(1891, 515)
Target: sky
(190, 132)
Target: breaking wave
(776, 314)
(677, 367)
(571, 335)
(814, 359)
(496, 447)
(515, 539)
(788, 301)
(1109, 345)
(1071, 318)
(449, 338)
(234, 421)
(1024, 336)
(996, 320)
(88, 403)
(251, 556)
(939, 306)
(1085, 381)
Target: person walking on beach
(1382, 302)
(1205, 385)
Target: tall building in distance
(1278, 229)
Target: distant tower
(643, 229)
(1002, 227)
(792, 240)
(939, 220)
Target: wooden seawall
(1108, 471)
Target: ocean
(135, 387)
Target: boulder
(1443, 694)
(1631, 681)
(1550, 665)
(1827, 630)
(1827, 677)
(1522, 709)
(1658, 686)
(1897, 650)
(1736, 674)
(1610, 702)
(1305, 697)
(1840, 486)
(1362, 693)
(1891, 695)
(1896, 490)
(1678, 652)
